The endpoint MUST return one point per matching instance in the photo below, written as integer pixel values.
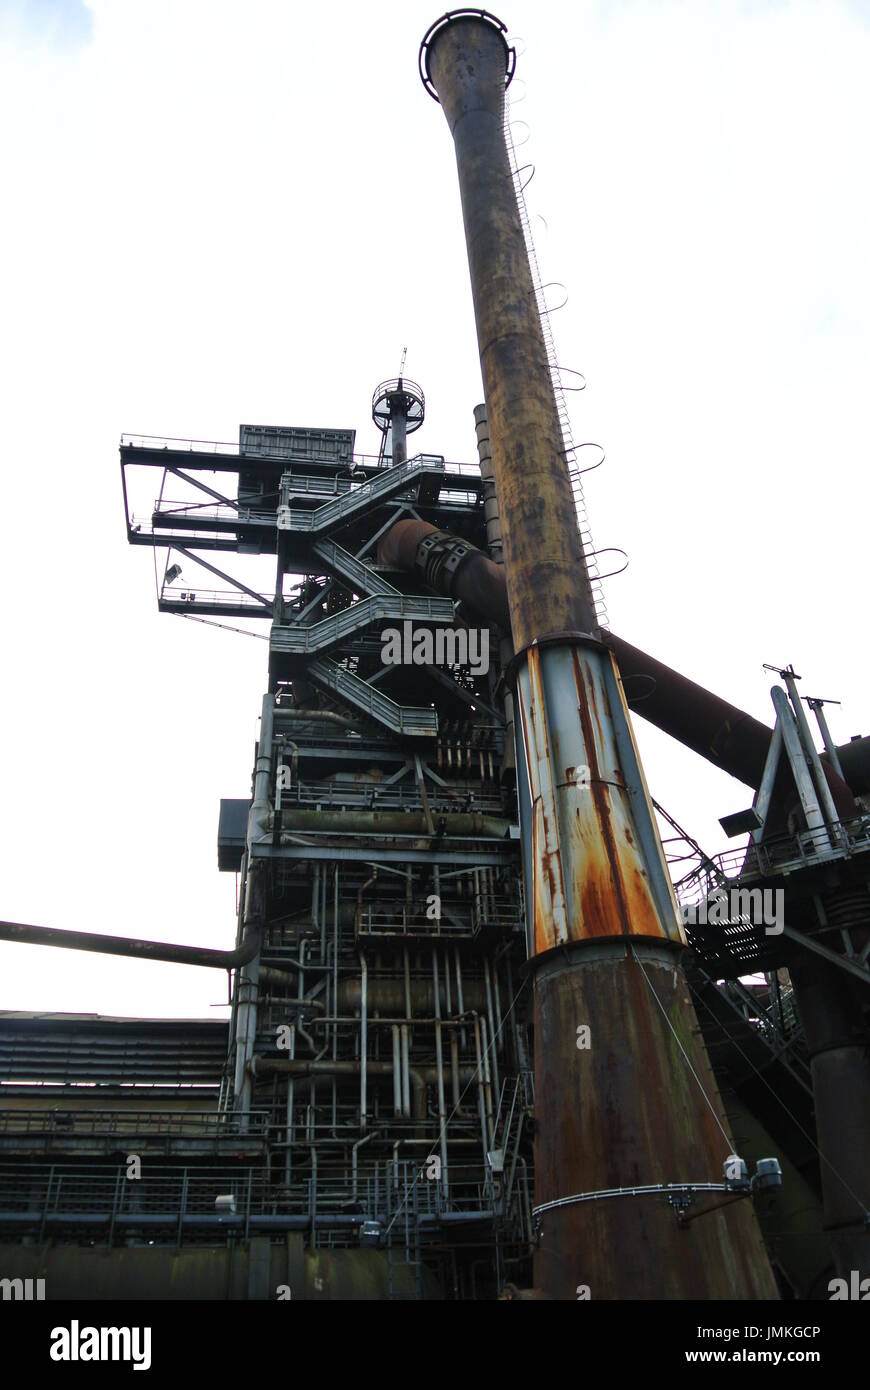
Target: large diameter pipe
(729, 738)
(790, 1216)
(722, 733)
(450, 823)
(838, 1041)
(390, 998)
(622, 1113)
(598, 870)
(475, 579)
(548, 587)
(28, 935)
(854, 760)
(716, 730)
(598, 865)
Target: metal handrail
(399, 922)
(183, 1194)
(377, 796)
(230, 448)
(391, 481)
(193, 597)
(772, 856)
(352, 568)
(301, 640)
(164, 1121)
(399, 718)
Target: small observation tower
(398, 408)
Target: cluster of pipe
(639, 1105)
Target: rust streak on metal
(627, 1111)
(599, 795)
(621, 1110)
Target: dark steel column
(548, 587)
(626, 1110)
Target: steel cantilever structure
(639, 1104)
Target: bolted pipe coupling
(439, 558)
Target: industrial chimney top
(452, 16)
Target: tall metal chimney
(625, 1096)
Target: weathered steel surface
(476, 580)
(548, 587)
(722, 733)
(626, 1111)
(832, 1010)
(592, 871)
(453, 823)
(726, 736)
(252, 1270)
(790, 1216)
(28, 935)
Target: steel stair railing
(353, 571)
(338, 627)
(367, 495)
(401, 719)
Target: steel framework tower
(379, 1038)
(398, 1001)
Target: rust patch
(627, 1112)
(599, 795)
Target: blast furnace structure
(470, 1054)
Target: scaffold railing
(230, 448)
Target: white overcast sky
(225, 212)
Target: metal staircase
(516, 1103)
(349, 506)
(297, 640)
(353, 572)
(401, 719)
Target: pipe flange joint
(441, 553)
(551, 639)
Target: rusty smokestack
(464, 60)
(625, 1096)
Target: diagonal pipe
(722, 733)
